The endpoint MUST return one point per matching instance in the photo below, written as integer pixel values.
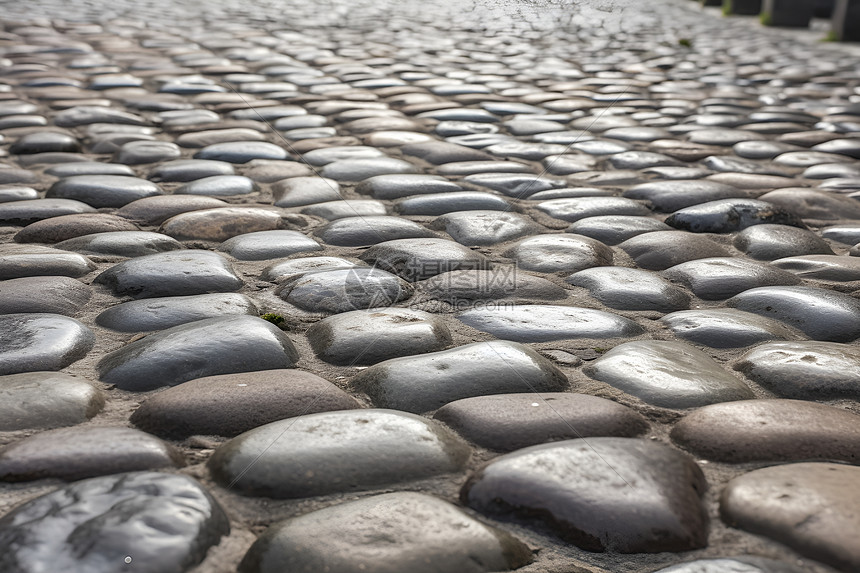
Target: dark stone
(811, 204)
(422, 534)
(397, 186)
(426, 382)
(770, 242)
(582, 491)
(17, 261)
(660, 250)
(221, 345)
(331, 452)
(95, 524)
(442, 203)
(726, 327)
(463, 288)
(669, 196)
(508, 422)
(230, 404)
(44, 141)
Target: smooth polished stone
(670, 196)
(183, 170)
(726, 328)
(142, 152)
(812, 204)
(361, 169)
(31, 210)
(804, 370)
(121, 243)
(720, 278)
(33, 342)
(811, 507)
(821, 314)
(332, 452)
(71, 454)
(420, 259)
(342, 290)
(230, 404)
(43, 142)
(574, 209)
(733, 565)
(265, 245)
(770, 242)
(221, 224)
(219, 186)
(516, 185)
(18, 261)
(17, 193)
(660, 250)
(365, 337)
(423, 534)
(88, 168)
(156, 210)
(103, 190)
(93, 524)
(428, 381)
(220, 345)
(623, 288)
(166, 312)
(667, 374)
(39, 400)
(442, 203)
(241, 151)
(615, 229)
(299, 191)
(559, 253)
(544, 323)
(66, 227)
(293, 268)
(365, 231)
(173, 273)
(508, 422)
(331, 210)
(581, 490)
(386, 187)
(87, 115)
(730, 215)
(770, 431)
(439, 152)
(839, 268)
(481, 228)
(462, 289)
(54, 295)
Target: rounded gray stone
(337, 452)
(230, 404)
(121, 243)
(173, 273)
(264, 245)
(508, 422)
(770, 431)
(222, 223)
(559, 253)
(614, 229)
(77, 453)
(156, 210)
(103, 190)
(811, 507)
(838, 268)
(733, 565)
(32, 342)
(481, 228)
(160, 313)
(219, 186)
(464, 288)
(660, 250)
(55, 295)
(221, 345)
(720, 278)
(623, 288)
(576, 208)
(769, 242)
(669, 196)
(582, 491)
(342, 290)
(821, 314)
(41, 400)
(422, 534)
(726, 328)
(31, 210)
(730, 215)
(419, 259)
(95, 524)
(667, 374)
(364, 337)
(428, 381)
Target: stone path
(392, 286)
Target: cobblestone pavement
(414, 286)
